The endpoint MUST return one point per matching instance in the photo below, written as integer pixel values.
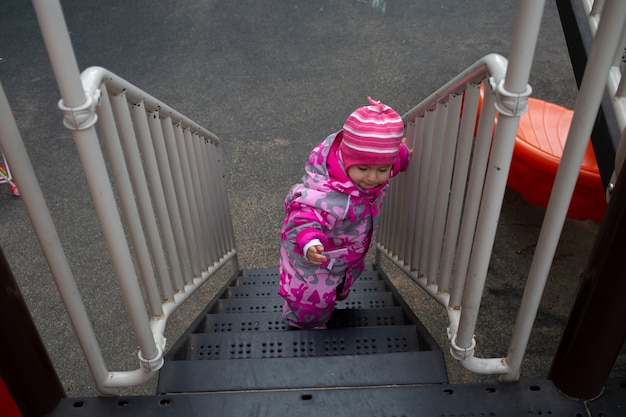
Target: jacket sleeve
(305, 222)
(402, 160)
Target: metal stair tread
(299, 343)
(405, 368)
(272, 321)
(275, 303)
(269, 290)
(270, 276)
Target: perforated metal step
(275, 303)
(287, 344)
(270, 290)
(269, 276)
(247, 322)
(240, 342)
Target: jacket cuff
(306, 236)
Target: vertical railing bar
(459, 182)
(205, 199)
(217, 181)
(213, 178)
(181, 196)
(445, 179)
(196, 241)
(619, 51)
(391, 224)
(387, 209)
(198, 237)
(400, 185)
(225, 200)
(433, 186)
(597, 7)
(474, 194)
(140, 188)
(215, 204)
(192, 160)
(620, 91)
(425, 159)
(399, 189)
(381, 237)
(387, 226)
(114, 151)
(180, 245)
(221, 196)
(215, 196)
(395, 205)
(207, 196)
(162, 233)
(414, 143)
(196, 200)
(404, 191)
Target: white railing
(169, 181)
(173, 199)
(615, 83)
(436, 218)
(440, 219)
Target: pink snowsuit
(327, 206)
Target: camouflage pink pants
(310, 292)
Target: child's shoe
(342, 296)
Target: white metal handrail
(440, 129)
(171, 190)
(169, 181)
(422, 233)
(430, 225)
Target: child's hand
(314, 254)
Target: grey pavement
(270, 78)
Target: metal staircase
(239, 342)
(375, 359)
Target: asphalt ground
(271, 79)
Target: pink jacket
(328, 206)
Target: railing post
(13, 146)
(512, 94)
(595, 331)
(585, 111)
(25, 366)
(80, 116)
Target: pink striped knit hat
(371, 136)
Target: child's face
(369, 176)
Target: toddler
(332, 215)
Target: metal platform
(523, 399)
(239, 342)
